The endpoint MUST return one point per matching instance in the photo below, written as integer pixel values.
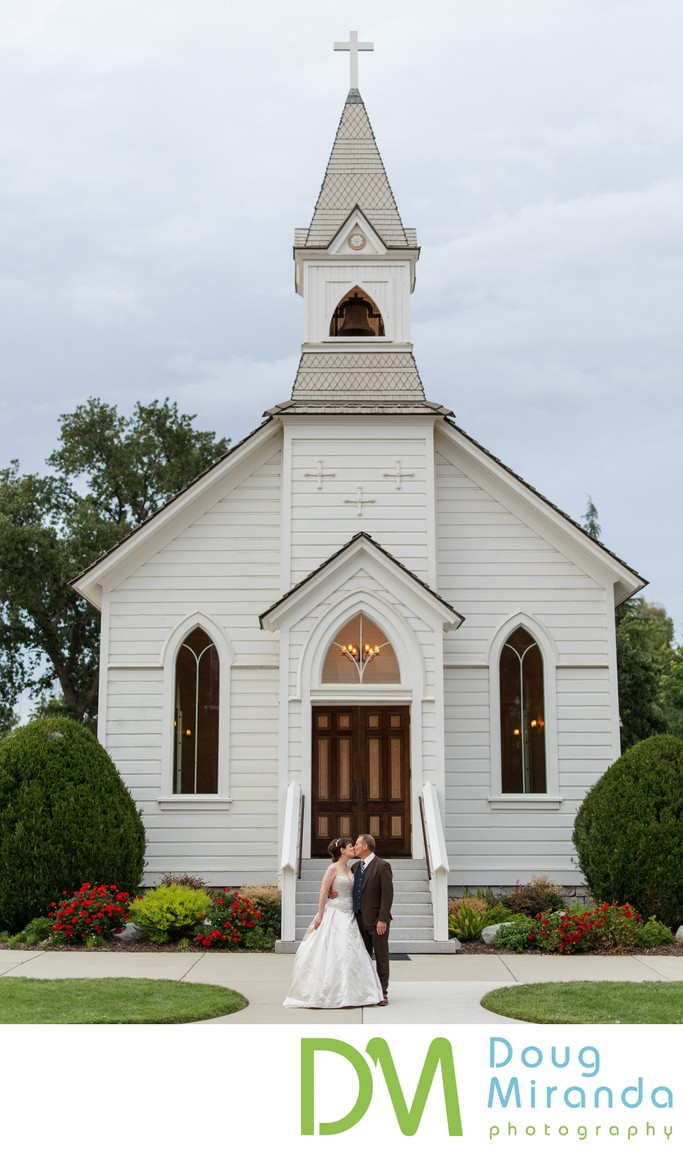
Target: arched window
(522, 716)
(356, 316)
(360, 653)
(195, 727)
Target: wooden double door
(361, 777)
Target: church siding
(227, 563)
(385, 283)
(397, 519)
(491, 566)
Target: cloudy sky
(155, 156)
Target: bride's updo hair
(336, 847)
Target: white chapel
(358, 619)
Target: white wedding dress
(332, 968)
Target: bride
(332, 968)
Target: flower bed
(92, 913)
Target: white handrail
(435, 831)
(289, 862)
(439, 857)
(290, 837)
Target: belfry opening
(356, 316)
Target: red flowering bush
(228, 923)
(604, 927)
(92, 912)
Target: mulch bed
(142, 947)
(673, 950)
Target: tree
(8, 720)
(671, 694)
(628, 831)
(650, 672)
(110, 473)
(650, 668)
(66, 817)
(590, 519)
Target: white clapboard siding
(227, 565)
(492, 565)
(321, 520)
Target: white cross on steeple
(353, 48)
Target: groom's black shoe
(384, 1002)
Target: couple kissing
(333, 967)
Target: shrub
(92, 913)
(65, 817)
(478, 904)
(517, 936)
(35, 932)
(653, 933)
(228, 922)
(499, 913)
(628, 832)
(466, 924)
(533, 897)
(259, 939)
(606, 927)
(267, 898)
(194, 881)
(482, 901)
(169, 913)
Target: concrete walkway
(424, 988)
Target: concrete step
(401, 887)
(411, 946)
(412, 926)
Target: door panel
(361, 777)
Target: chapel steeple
(355, 268)
(355, 178)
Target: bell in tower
(356, 317)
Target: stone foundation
(571, 893)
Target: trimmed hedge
(628, 832)
(66, 817)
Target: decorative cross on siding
(353, 48)
(319, 474)
(359, 501)
(398, 475)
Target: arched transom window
(360, 653)
(522, 715)
(195, 751)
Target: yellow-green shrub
(169, 913)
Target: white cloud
(157, 156)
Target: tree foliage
(628, 831)
(66, 817)
(590, 519)
(649, 665)
(109, 474)
(8, 720)
(650, 670)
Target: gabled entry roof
(359, 546)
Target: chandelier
(360, 656)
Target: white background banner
(510, 1087)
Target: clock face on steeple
(356, 241)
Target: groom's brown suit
(377, 896)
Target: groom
(373, 894)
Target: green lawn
(117, 1000)
(599, 1002)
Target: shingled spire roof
(355, 177)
